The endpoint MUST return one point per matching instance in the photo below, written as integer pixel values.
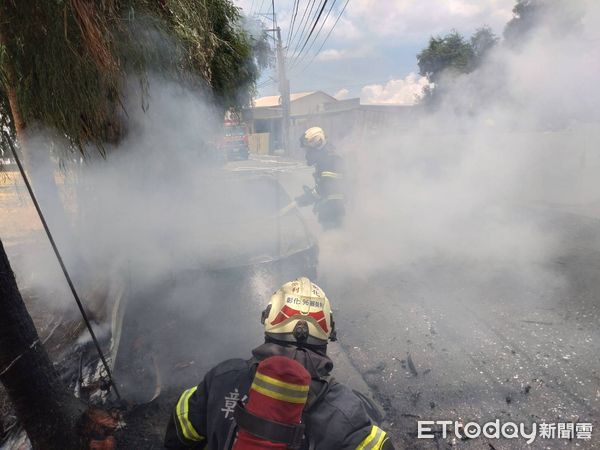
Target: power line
(305, 27)
(298, 61)
(313, 28)
(291, 30)
(304, 15)
(64, 269)
(262, 4)
(326, 37)
(265, 83)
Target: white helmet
(314, 138)
(299, 312)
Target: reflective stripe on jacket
(329, 174)
(375, 440)
(203, 416)
(185, 427)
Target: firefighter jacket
(330, 187)
(335, 418)
(329, 193)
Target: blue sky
(372, 51)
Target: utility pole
(284, 92)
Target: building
(266, 114)
(307, 109)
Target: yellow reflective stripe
(281, 390)
(291, 393)
(281, 384)
(189, 432)
(331, 174)
(368, 439)
(374, 440)
(380, 440)
(280, 395)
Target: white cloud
(375, 22)
(342, 94)
(333, 54)
(395, 92)
(463, 8)
(415, 20)
(381, 30)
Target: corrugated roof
(273, 100)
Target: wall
(259, 143)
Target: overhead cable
(293, 22)
(298, 61)
(313, 27)
(304, 25)
(326, 37)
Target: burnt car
(161, 330)
(209, 304)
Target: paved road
(452, 340)
(438, 346)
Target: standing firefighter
(284, 396)
(328, 195)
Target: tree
(63, 64)
(526, 14)
(450, 54)
(559, 16)
(482, 42)
(26, 368)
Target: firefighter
(328, 195)
(298, 324)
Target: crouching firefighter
(284, 396)
(328, 195)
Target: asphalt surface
(453, 340)
(439, 355)
(435, 340)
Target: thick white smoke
(161, 222)
(462, 184)
(463, 187)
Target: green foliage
(482, 42)
(211, 43)
(57, 79)
(67, 60)
(561, 17)
(526, 13)
(451, 55)
(448, 54)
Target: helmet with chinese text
(299, 312)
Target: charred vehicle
(161, 335)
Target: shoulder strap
(231, 435)
(317, 392)
(268, 429)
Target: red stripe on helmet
(287, 313)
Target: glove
(309, 197)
